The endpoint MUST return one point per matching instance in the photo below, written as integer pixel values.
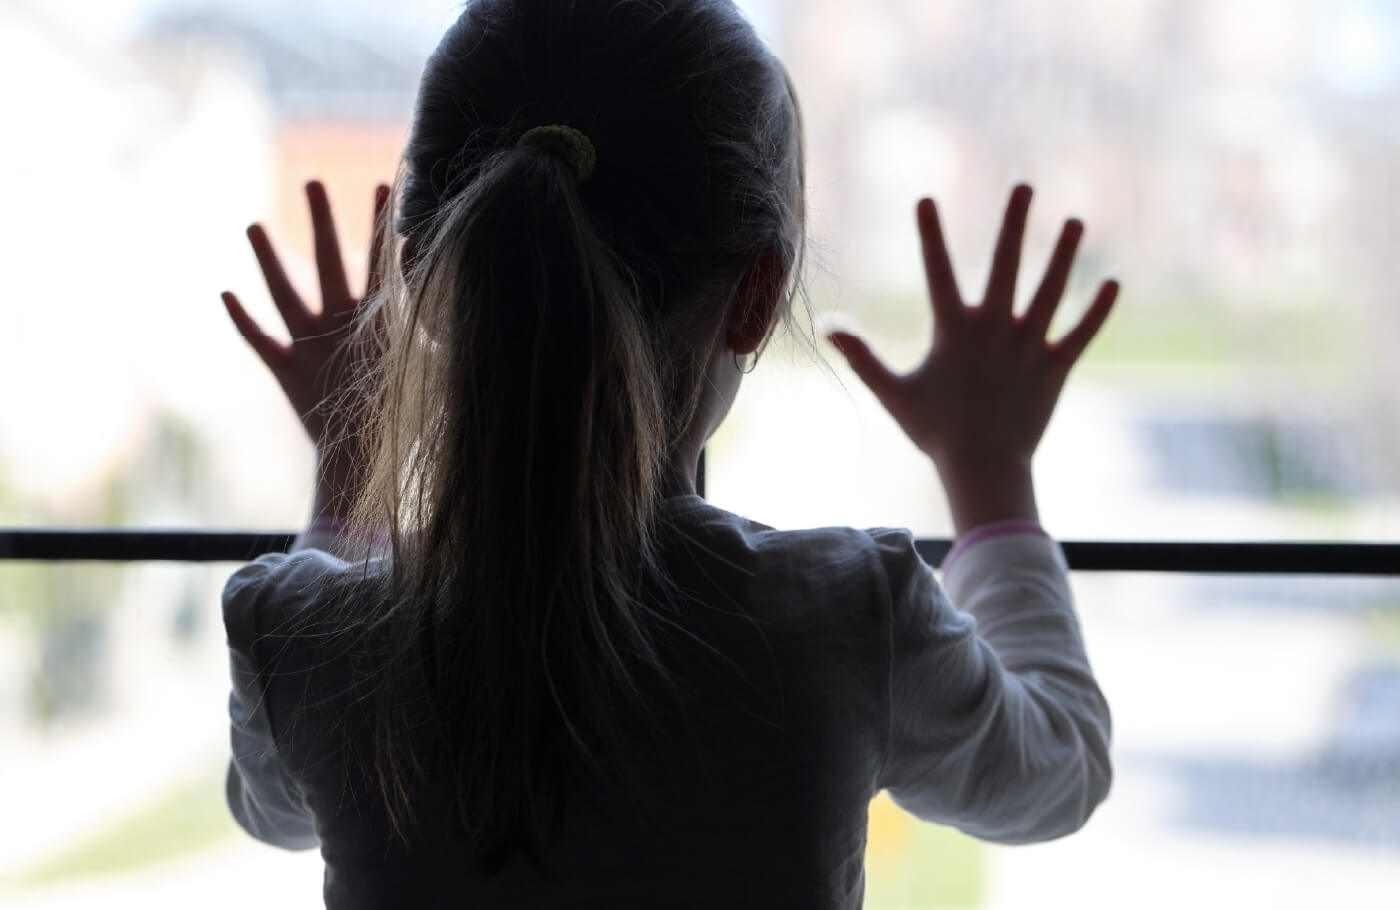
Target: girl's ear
(755, 303)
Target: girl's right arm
(997, 725)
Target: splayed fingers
(313, 367)
(990, 380)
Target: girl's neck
(681, 474)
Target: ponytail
(522, 448)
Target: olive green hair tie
(566, 142)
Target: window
(1237, 169)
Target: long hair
(546, 345)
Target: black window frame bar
(1190, 557)
(1187, 557)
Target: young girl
(516, 661)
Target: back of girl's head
(550, 344)
(692, 118)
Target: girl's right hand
(981, 399)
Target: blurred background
(1237, 163)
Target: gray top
(855, 673)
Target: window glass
(1237, 166)
(148, 136)
(114, 745)
(1233, 161)
(1238, 170)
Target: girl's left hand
(316, 368)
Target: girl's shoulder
(836, 558)
(695, 512)
(281, 594)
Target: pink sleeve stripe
(987, 532)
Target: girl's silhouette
(516, 660)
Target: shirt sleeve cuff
(990, 531)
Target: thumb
(863, 362)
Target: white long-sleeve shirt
(849, 670)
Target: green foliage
(1189, 332)
(1384, 629)
(1307, 334)
(188, 819)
